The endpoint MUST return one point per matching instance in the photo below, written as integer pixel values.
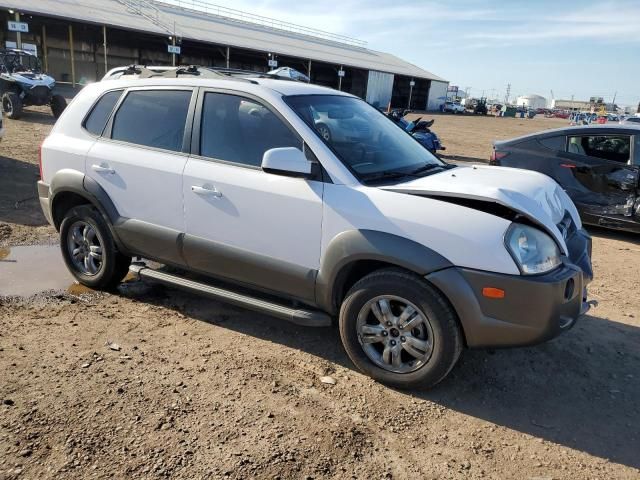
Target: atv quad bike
(22, 83)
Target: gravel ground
(149, 382)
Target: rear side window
(101, 111)
(239, 130)
(154, 118)
(554, 143)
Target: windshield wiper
(387, 174)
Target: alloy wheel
(395, 334)
(84, 245)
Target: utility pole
(506, 97)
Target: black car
(597, 165)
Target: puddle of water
(28, 270)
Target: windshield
(21, 62)
(365, 140)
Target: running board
(307, 318)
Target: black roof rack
(198, 71)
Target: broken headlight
(533, 250)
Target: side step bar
(308, 318)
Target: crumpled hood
(532, 194)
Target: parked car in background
(452, 107)
(635, 120)
(228, 180)
(597, 165)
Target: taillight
(40, 160)
(496, 156)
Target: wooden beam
(45, 56)
(73, 59)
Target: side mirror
(289, 161)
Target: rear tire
(89, 251)
(58, 104)
(12, 105)
(425, 345)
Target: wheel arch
(355, 253)
(70, 188)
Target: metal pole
(228, 52)
(309, 70)
(73, 60)
(340, 79)
(45, 57)
(104, 48)
(18, 34)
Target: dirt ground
(147, 382)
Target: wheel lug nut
(393, 342)
(385, 333)
(388, 324)
(402, 339)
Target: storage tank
(532, 101)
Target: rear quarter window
(556, 142)
(101, 111)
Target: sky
(582, 48)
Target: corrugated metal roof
(195, 25)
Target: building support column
(18, 34)
(73, 59)
(45, 56)
(104, 48)
(228, 54)
(340, 79)
(410, 93)
(309, 70)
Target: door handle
(102, 168)
(211, 191)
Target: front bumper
(534, 308)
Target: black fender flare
(356, 245)
(74, 181)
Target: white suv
(226, 178)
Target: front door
(139, 162)
(605, 173)
(242, 223)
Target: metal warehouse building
(78, 40)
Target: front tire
(12, 105)
(89, 251)
(400, 330)
(58, 104)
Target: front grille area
(578, 245)
(39, 95)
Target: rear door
(139, 160)
(605, 171)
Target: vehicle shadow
(602, 232)
(19, 193)
(461, 158)
(36, 116)
(580, 390)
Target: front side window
(616, 148)
(237, 129)
(154, 118)
(367, 142)
(101, 111)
